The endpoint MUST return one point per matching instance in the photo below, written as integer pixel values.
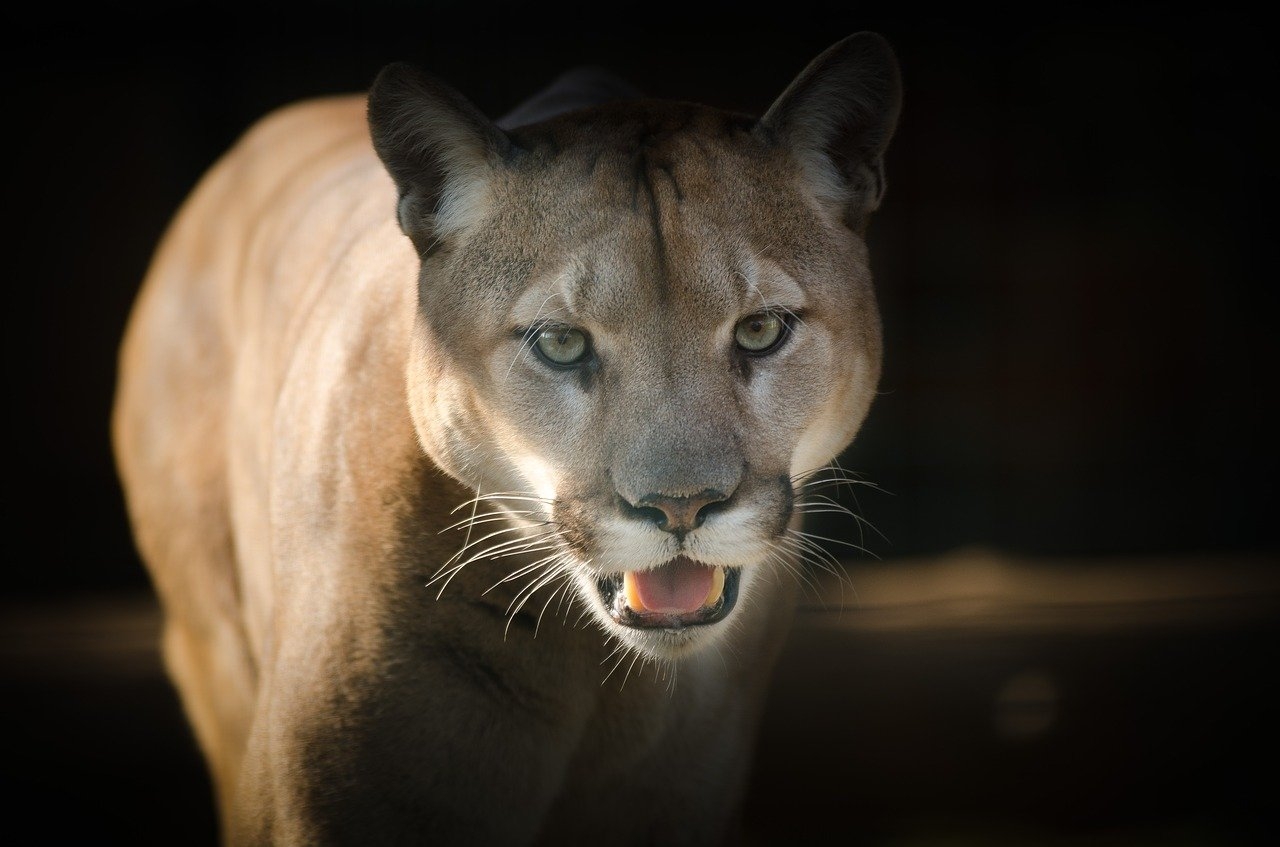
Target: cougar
(467, 457)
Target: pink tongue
(678, 587)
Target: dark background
(1070, 258)
(1073, 258)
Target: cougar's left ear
(837, 118)
(438, 147)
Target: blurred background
(1060, 630)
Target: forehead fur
(640, 204)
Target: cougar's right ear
(438, 147)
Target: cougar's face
(646, 338)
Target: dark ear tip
(877, 63)
(396, 84)
(866, 43)
(870, 49)
(398, 70)
(869, 38)
(393, 76)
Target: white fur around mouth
(681, 593)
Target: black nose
(677, 514)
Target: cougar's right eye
(760, 333)
(561, 346)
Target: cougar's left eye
(562, 346)
(761, 332)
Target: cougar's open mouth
(678, 594)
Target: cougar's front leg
(369, 733)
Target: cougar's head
(642, 323)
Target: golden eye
(562, 345)
(760, 332)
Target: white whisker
(803, 579)
(495, 534)
(621, 659)
(559, 592)
(555, 571)
(523, 571)
(813, 536)
(502, 496)
(487, 517)
(630, 667)
(530, 338)
(512, 546)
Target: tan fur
(305, 400)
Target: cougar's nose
(676, 514)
